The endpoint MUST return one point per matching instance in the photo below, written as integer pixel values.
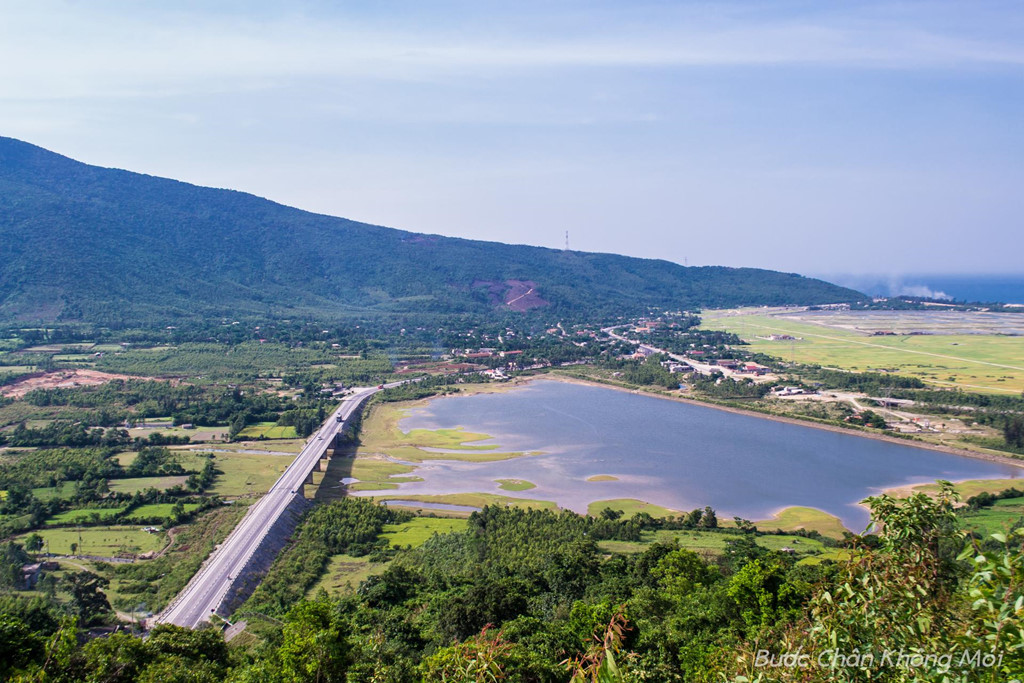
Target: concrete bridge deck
(233, 569)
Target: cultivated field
(137, 484)
(344, 574)
(977, 355)
(247, 473)
(268, 430)
(157, 511)
(415, 532)
(83, 515)
(107, 541)
(712, 542)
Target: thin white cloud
(77, 53)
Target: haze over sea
(1002, 288)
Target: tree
(679, 572)
(19, 646)
(899, 597)
(479, 659)
(167, 640)
(1013, 430)
(708, 519)
(599, 664)
(761, 592)
(115, 659)
(996, 591)
(87, 596)
(314, 648)
(12, 557)
(34, 543)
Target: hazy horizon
(869, 137)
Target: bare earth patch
(59, 379)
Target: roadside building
(30, 575)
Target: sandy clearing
(58, 379)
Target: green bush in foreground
(528, 596)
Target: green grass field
(992, 363)
(966, 489)
(810, 519)
(247, 473)
(378, 474)
(83, 514)
(157, 510)
(136, 484)
(275, 446)
(515, 484)
(268, 430)
(65, 490)
(16, 369)
(381, 435)
(629, 507)
(833, 555)
(417, 531)
(998, 518)
(104, 541)
(344, 574)
(789, 519)
(127, 458)
(712, 542)
(477, 500)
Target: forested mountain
(79, 242)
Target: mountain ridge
(85, 243)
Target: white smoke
(897, 288)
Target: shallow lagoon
(673, 454)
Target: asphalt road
(207, 590)
(702, 368)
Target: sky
(814, 137)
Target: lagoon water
(677, 455)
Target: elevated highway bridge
(227, 576)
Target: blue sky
(815, 137)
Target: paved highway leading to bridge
(207, 591)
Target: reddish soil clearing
(523, 296)
(59, 379)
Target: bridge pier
(251, 557)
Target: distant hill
(79, 242)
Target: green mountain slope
(79, 242)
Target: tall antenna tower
(567, 240)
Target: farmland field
(810, 519)
(712, 542)
(103, 541)
(268, 430)
(418, 530)
(155, 510)
(345, 573)
(998, 518)
(65, 490)
(935, 350)
(247, 473)
(83, 514)
(136, 484)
